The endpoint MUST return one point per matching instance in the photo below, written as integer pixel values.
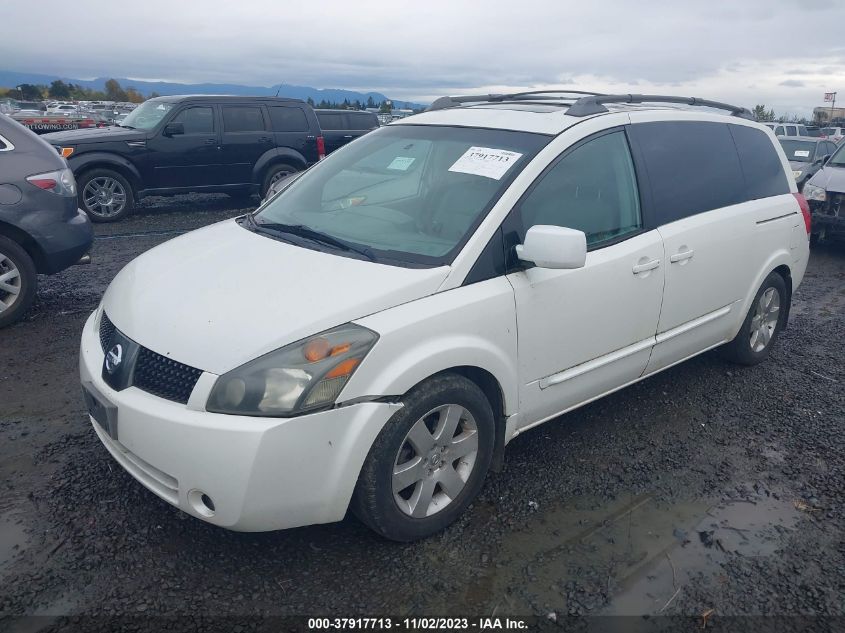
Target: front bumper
(260, 473)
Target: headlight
(796, 173)
(812, 192)
(304, 375)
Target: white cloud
(718, 49)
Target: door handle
(641, 268)
(682, 256)
(264, 139)
(210, 141)
(347, 136)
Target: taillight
(321, 147)
(805, 209)
(60, 182)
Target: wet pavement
(708, 489)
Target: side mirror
(824, 159)
(554, 247)
(172, 129)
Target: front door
(186, 160)
(587, 331)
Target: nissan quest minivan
(376, 333)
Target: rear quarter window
(761, 166)
(362, 121)
(288, 119)
(692, 166)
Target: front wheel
(105, 195)
(762, 324)
(429, 461)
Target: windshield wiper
(300, 230)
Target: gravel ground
(707, 487)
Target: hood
(93, 135)
(221, 296)
(830, 178)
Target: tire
(105, 195)
(274, 173)
(427, 408)
(754, 342)
(18, 281)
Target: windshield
(801, 151)
(838, 159)
(147, 115)
(408, 194)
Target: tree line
(69, 91)
(115, 92)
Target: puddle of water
(12, 538)
(628, 557)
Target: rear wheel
(17, 281)
(274, 174)
(762, 324)
(429, 462)
(105, 195)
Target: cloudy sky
(784, 53)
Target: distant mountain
(10, 79)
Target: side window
(331, 120)
(196, 120)
(790, 130)
(692, 167)
(361, 121)
(829, 148)
(779, 130)
(288, 119)
(242, 119)
(593, 189)
(761, 166)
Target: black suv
(41, 230)
(180, 144)
(342, 126)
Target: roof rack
(452, 102)
(586, 106)
(582, 103)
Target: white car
(376, 333)
(69, 110)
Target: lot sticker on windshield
(487, 162)
(803, 153)
(402, 163)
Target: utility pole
(832, 105)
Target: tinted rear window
(331, 120)
(362, 120)
(242, 119)
(288, 119)
(761, 166)
(692, 166)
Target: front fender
(424, 337)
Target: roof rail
(585, 106)
(452, 102)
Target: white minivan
(376, 333)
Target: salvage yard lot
(708, 486)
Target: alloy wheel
(10, 283)
(435, 461)
(765, 319)
(104, 196)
